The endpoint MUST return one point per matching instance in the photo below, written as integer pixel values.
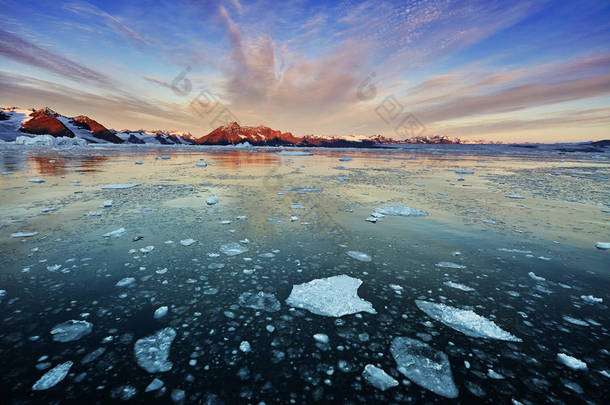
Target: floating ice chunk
(36, 180)
(71, 330)
(125, 282)
(152, 352)
(261, 301)
(233, 249)
(54, 267)
(371, 219)
(304, 189)
(294, 218)
(321, 338)
(107, 203)
(154, 385)
(533, 276)
(378, 378)
(602, 245)
(363, 257)
(465, 321)
(515, 196)
(160, 312)
(52, 377)
(119, 186)
(211, 200)
(575, 321)
(147, 249)
(23, 234)
(425, 366)
(187, 242)
(293, 153)
(245, 346)
(345, 159)
(202, 164)
(401, 211)
(450, 265)
(115, 233)
(93, 355)
(591, 299)
(571, 362)
(297, 207)
(333, 296)
(93, 214)
(458, 286)
(464, 171)
(525, 252)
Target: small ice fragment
(154, 385)
(202, 164)
(211, 200)
(152, 352)
(450, 265)
(119, 186)
(515, 196)
(378, 378)
(138, 162)
(371, 219)
(571, 362)
(333, 296)
(465, 321)
(23, 234)
(401, 211)
(260, 301)
(245, 346)
(533, 276)
(36, 180)
(125, 282)
(294, 219)
(458, 286)
(187, 242)
(160, 312)
(147, 249)
(363, 257)
(93, 214)
(425, 366)
(233, 249)
(107, 203)
(464, 171)
(115, 233)
(93, 355)
(591, 299)
(71, 330)
(52, 377)
(321, 338)
(602, 245)
(54, 267)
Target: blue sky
(529, 71)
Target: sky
(523, 71)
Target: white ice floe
(260, 301)
(425, 366)
(602, 245)
(125, 282)
(93, 214)
(378, 378)
(571, 362)
(115, 233)
(107, 203)
(333, 296)
(465, 321)
(71, 330)
(293, 153)
(147, 249)
(202, 164)
(152, 352)
(52, 377)
(354, 254)
(233, 249)
(458, 286)
(160, 312)
(119, 186)
(187, 242)
(321, 338)
(464, 171)
(23, 234)
(401, 211)
(533, 276)
(245, 346)
(49, 141)
(591, 299)
(211, 200)
(154, 385)
(515, 196)
(36, 180)
(450, 265)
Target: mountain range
(18, 122)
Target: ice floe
(465, 321)
(572, 362)
(425, 366)
(378, 378)
(260, 300)
(233, 249)
(154, 385)
(602, 245)
(354, 254)
(293, 153)
(333, 296)
(533, 276)
(515, 196)
(591, 299)
(152, 352)
(114, 234)
(458, 286)
(450, 265)
(119, 186)
(245, 346)
(400, 211)
(187, 242)
(36, 180)
(53, 377)
(23, 234)
(125, 282)
(211, 200)
(71, 330)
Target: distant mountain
(15, 122)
